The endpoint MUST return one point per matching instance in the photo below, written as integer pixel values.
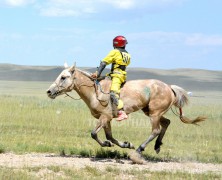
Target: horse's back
(148, 92)
(145, 86)
(142, 86)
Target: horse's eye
(63, 78)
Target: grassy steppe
(31, 122)
(59, 173)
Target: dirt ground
(44, 160)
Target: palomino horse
(151, 96)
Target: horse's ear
(65, 65)
(72, 69)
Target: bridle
(77, 86)
(71, 87)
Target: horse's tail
(180, 101)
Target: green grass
(31, 122)
(59, 173)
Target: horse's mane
(88, 74)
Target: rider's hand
(94, 75)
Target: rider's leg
(115, 90)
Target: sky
(161, 34)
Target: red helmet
(119, 41)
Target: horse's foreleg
(155, 132)
(164, 123)
(101, 124)
(108, 132)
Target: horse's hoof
(128, 145)
(108, 144)
(136, 158)
(131, 146)
(157, 146)
(157, 150)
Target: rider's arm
(101, 68)
(106, 61)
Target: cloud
(169, 38)
(134, 4)
(90, 8)
(76, 8)
(11, 36)
(56, 11)
(65, 8)
(17, 3)
(126, 4)
(201, 39)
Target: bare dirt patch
(45, 160)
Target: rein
(96, 84)
(67, 95)
(100, 87)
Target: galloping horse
(151, 96)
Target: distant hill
(190, 79)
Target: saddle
(103, 89)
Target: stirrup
(121, 116)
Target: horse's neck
(92, 95)
(85, 87)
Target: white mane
(88, 74)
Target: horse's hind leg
(164, 122)
(155, 121)
(108, 132)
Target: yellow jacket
(118, 59)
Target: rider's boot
(118, 105)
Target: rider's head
(119, 42)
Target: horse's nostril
(48, 92)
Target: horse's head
(64, 83)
